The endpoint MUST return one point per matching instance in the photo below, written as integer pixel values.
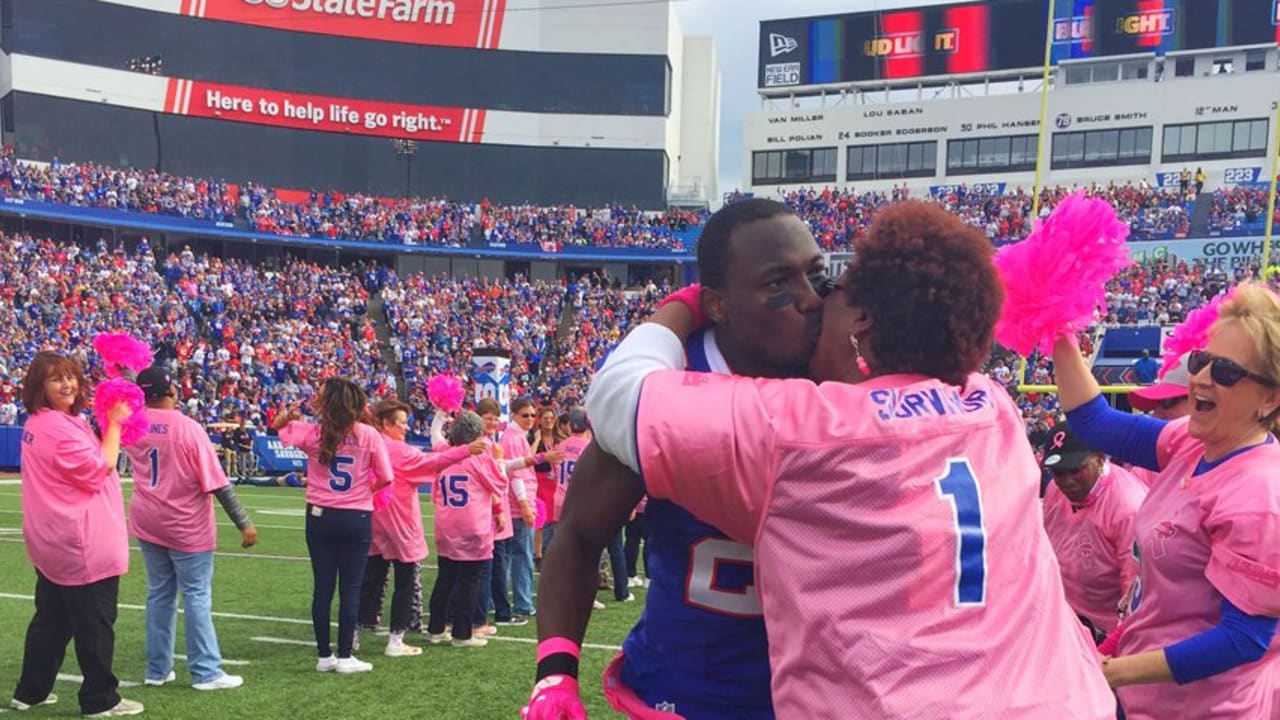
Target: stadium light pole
(406, 149)
(1044, 110)
(1271, 185)
(150, 65)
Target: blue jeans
(618, 567)
(484, 598)
(499, 578)
(169, 571)
(522, 568)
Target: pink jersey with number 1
(345, 483)
(174, 470)
(899, 554)
(572, 447)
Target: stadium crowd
(1239, 209)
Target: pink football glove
(690, 297)
(555, 697)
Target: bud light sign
(491, 373)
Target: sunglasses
(1222, 371)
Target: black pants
(454, 597)
(338, 542)
(484, 598)
(86, 614)
(635, 534)
(402, 598)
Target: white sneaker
(348, 665)
(154, 682)
(222, 682)
(440, 639)
(401, 650)
(124, 707)
(596, 604)
(16, 704)
(515, 621)
(635, 582)
(472, 642)
(326, 664)
(629, 598)
(646, 583)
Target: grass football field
(262, 610)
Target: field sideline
(262, 601)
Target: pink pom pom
(1192, 333)
(540, 514)
(445, 392)
(121, 349)
(382, 499)
(1055, 280)
(105, 397)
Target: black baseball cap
(155, 383)
(1065, 451)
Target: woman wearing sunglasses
(1203, 610)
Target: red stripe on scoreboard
(968, 34)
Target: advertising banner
(328, 114)
(452, 23)
(276, 457)
(491, 373)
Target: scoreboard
(995, 35)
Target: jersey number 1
(959, 486)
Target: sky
(735, 25)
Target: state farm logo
(781, 44)
(427, 12)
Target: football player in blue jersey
(699, 650)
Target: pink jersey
(397, 528)
(343, 484)
(1145, 476)
(1201, 538)
(572, 448)
(899, 554)
(72, 508)
(1094, 544)
(465, 496)
(515, 445)
(174, 470)
(502, 489)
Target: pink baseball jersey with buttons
(899, 554)
(174, 470)
(572, 447)
(464, 497)
(345, 483)
(1201, 538)
(516, 445)
(72, 508)
(397, 528)
(502, 489)
(1094, 544)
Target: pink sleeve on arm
(489, 475)
(379, 460)
(1244, 560)
(1174, 440)
(303, 435)
(204, 459)
(717, 461)
(416, 467)
(79, 460)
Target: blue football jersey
(699, 648)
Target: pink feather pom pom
(1056, 279)
(1192, 333)
(107, 394)
(382, 499)
(540, 514)
(445, 392)
(121, 349)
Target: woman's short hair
(488, 406)
(384, 411)
(928, 282)
(49, 364)
(466, 429)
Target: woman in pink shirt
(468, 510)
(346, 463)
(73, 525)
(1203, 611)
(398, 536)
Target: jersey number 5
(340, 474)
(959, 486)
(702, 590)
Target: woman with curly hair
(346, 463)
(902, 566)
